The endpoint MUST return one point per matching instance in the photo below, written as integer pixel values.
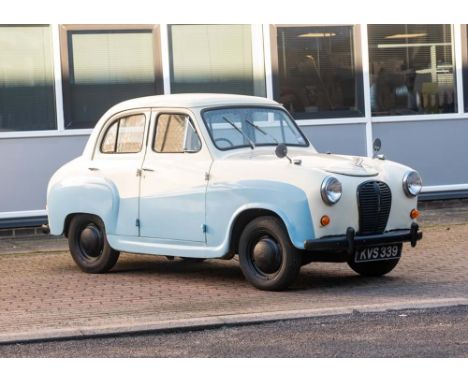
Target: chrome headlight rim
(325, 190)
(409, 188)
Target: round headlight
(412, 183)
(331, 190)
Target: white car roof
(192, 100)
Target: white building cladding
(344, 84)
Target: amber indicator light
(325, 220)
(414, 214)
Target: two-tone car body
(212, 176)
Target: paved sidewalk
(43, 294)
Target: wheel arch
(242, 219)
(246, 215)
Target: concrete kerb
(213, 322)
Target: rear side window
(125, 135)
(175, 134)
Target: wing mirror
(281, 151)
(377, 145)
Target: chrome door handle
(93, 169)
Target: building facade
(344, 84)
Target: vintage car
(207, 176)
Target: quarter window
(175, 134)
(125, 135)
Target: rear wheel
(267, 257)
(88, 244)
(373, 268)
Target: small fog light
(325, 220)
(414, 214)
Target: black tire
(267, 257)
(373, 268)
(88, 244)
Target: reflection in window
(27, 100)
(317, 75)
(411, 69)
(105, 67)
(175, 134)
(214, 59)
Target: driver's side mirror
(377, 145)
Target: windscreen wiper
(262, 131)
(252, 145)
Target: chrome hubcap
(91, 240)
(267, 255)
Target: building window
(27, 100)
(317, 70)
(464, 29)
(102, 66)
(411, 69)
(214, 59)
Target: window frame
(101, 28)
(155, 131)
(358, 68)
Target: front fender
(82, 194)
(225, 202)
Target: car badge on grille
(358, 162)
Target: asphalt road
(439, 332)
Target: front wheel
(88, 244)
(267, 257)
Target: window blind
(213, 58)
(27, 100)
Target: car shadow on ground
(312, 276)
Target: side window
(131, 131)
(108, 143)
(125, 135)
(175, 134)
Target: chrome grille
(374, 202)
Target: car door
(117, 158)
(174, 179)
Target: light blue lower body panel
(153, 246)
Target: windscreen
(236, 127)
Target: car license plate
(383, 252)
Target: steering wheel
(224, 140)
